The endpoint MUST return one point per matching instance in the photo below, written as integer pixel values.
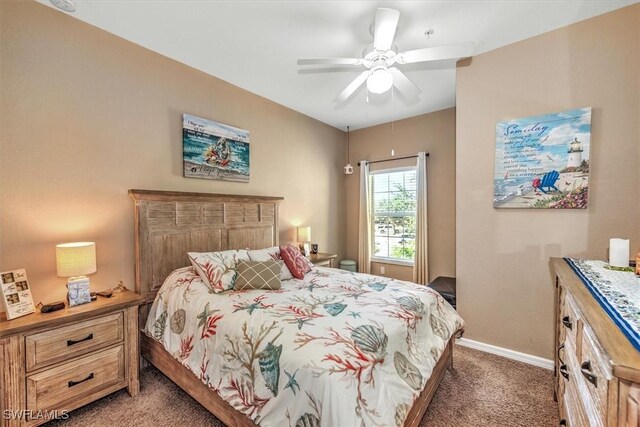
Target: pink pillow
(295, 261)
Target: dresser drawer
(60, 344)
(569, 318)
(596, 373)
(574, 411)
(76, 379)
(632, 407)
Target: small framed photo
(306, 249)
(16, 293)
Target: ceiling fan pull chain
(392, 120)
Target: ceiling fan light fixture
(381, 59)
(66, 5)
(380, 80)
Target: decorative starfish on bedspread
(292, 383)
(257, 304)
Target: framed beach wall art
(213, 150)
(542, 162)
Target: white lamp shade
(76, 259)
(304, 234)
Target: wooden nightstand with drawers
(322, 260)
(55, 362)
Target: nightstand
(322, 260)
(65, 359)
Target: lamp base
(78, 290)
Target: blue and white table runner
(618, 292)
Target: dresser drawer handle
(566, 321)
(563, 422)
(73, 342)
(586, 371)
(563, 366)
(74, 383)
(563, 371)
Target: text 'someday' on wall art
(542, 162)
(214, 150)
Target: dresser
(52, 363)
(597, 369)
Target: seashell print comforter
(334, 349)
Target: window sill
(392, 262)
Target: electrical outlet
(381, 271)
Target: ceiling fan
(381, 73)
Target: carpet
(481, 390)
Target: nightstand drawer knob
(73, 342)
(566, 321)
(74, 383)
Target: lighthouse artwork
(542, 162)
(575, 154)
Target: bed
(334, 348)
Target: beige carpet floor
(481, 390)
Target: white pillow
(272, 254)
(218, 269)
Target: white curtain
(364, 233)
(421, 256)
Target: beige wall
(504, 288)
(85, 116)
(434, 133)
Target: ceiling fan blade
(385, 28)
(353, 86)
(452, 51)
(404, 85)
(330, 61)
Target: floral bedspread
(336, 348)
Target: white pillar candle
(619, 252)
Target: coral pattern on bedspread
(336, 348)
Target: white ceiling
(255, 44)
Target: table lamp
(76, 260)
(304, 238)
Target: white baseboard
(505, 352)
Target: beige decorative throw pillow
(258, 275)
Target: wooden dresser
(597, 369)
(55, 362)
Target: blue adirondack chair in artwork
(549, 182)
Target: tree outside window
(393, 196)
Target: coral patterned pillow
(218, 269)
(297, 263)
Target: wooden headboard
(170, 224)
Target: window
(393, 203)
